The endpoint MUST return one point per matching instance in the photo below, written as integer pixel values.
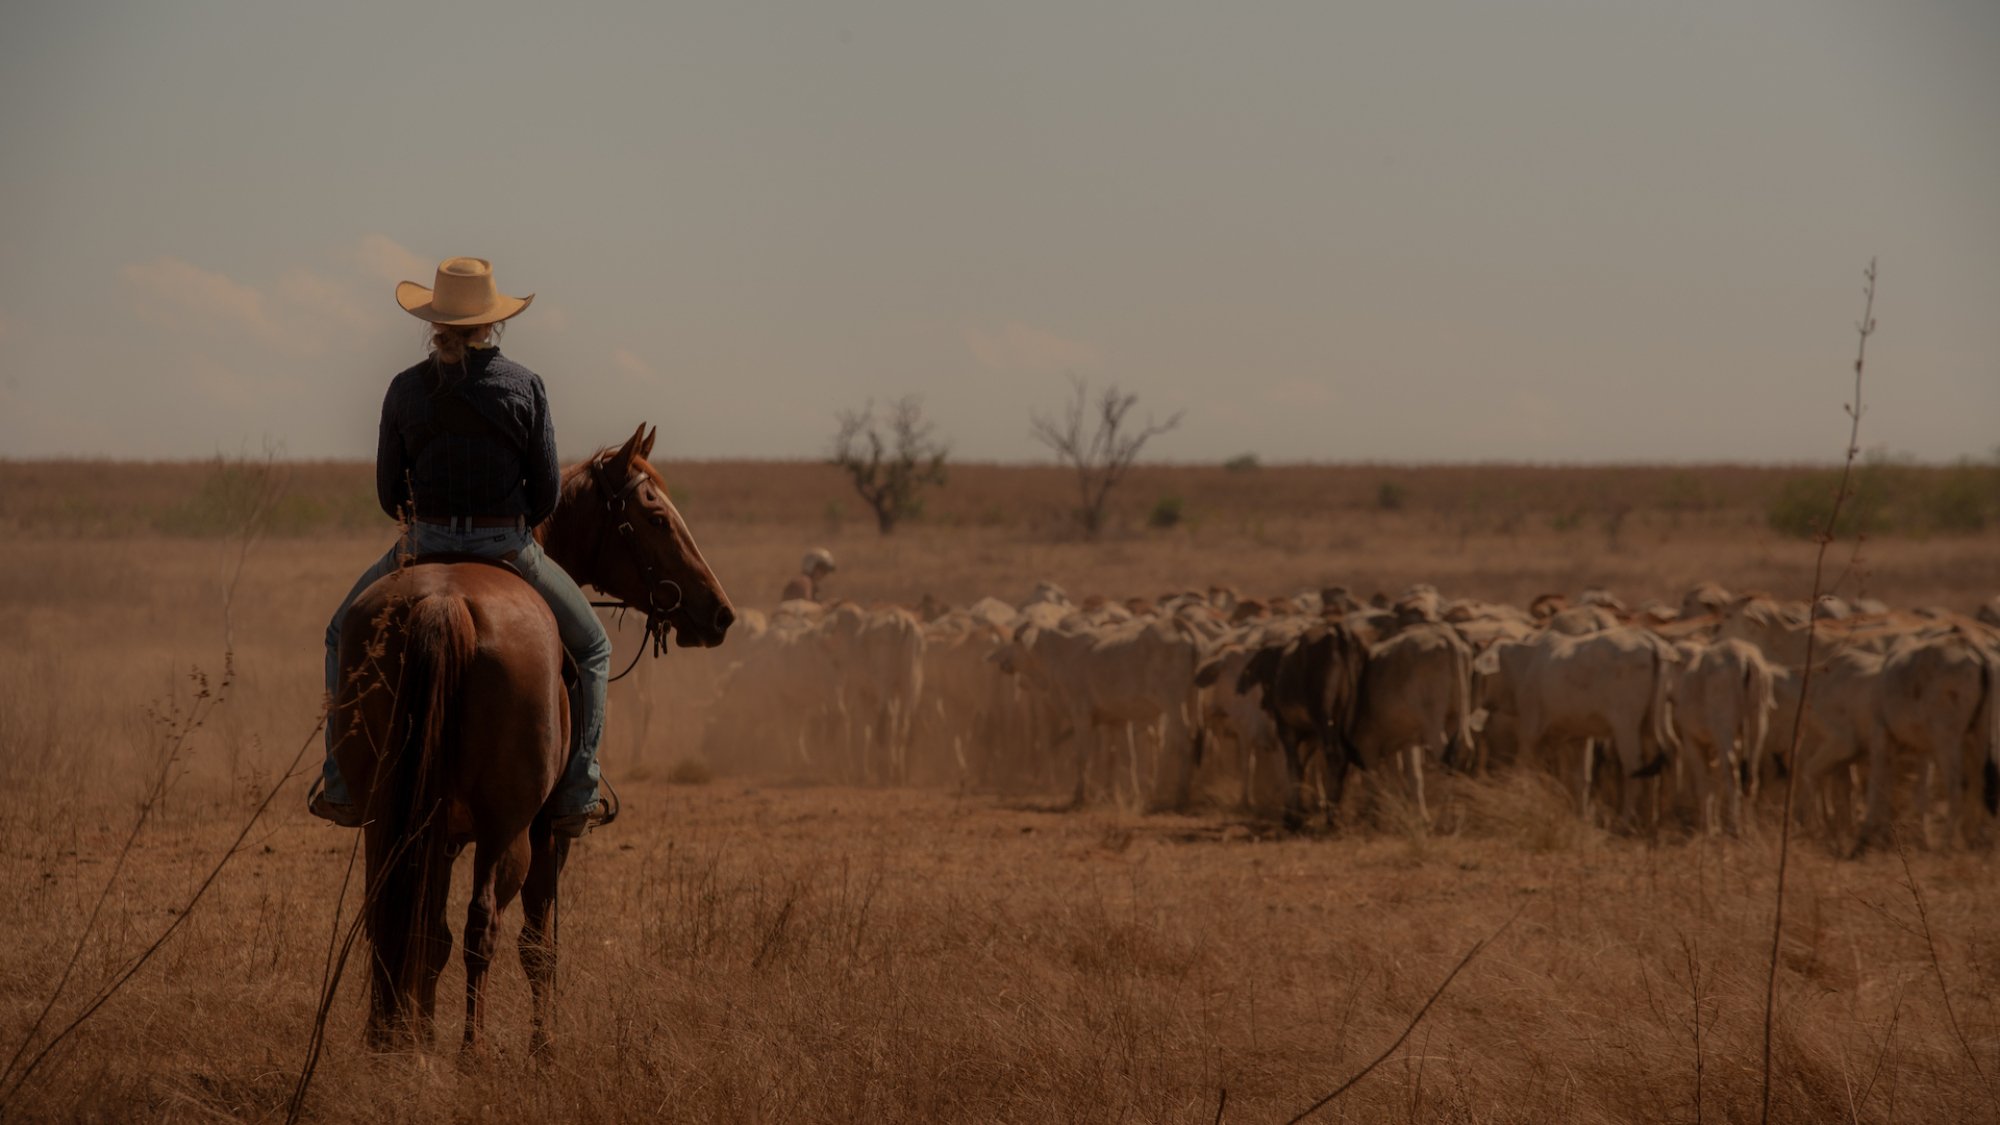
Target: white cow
(779, 704)
(1415, 705)
(1938, 705)
(879, 655)
(1567, 690)
(1140, 674)
(967, 708)
(1722, 710)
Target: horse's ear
(620, 465)
(646, 448)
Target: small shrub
(1962, 500)
(1242, 463)
(1166, 513)
(1566, 521)
(240, 493)
(1390, 495)
(1802, 506)
(1684, 492)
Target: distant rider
(804, 585)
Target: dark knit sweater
(497, 458)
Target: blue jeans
(582, 635)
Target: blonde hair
(449, 341)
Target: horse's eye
(656, 519)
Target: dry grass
(749, 950)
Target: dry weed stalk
(1477, 947)
(1864, 329)
(1691, 952)
(337, 946)
(180, 727)
(1881, 1052)
(267, 488)
(181, 915)
(271, 479)
(1937, 970)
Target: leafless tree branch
(891, 456)
(1100, 453)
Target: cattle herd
(1663, 716)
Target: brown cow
(1310, 689)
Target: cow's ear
(1259, 671)
(1209, 671)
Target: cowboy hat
(464, 295)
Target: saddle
(453, 558)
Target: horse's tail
(407, 908)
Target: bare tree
(1100, 454)
(890, 456)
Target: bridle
(615, 500)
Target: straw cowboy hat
(464, 295)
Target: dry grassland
(758, 948)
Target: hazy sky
(1481, 229)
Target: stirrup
(609, 799)
(343, 816)
(579, 824)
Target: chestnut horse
(452, 719)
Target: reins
(656, 614)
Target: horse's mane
(576, 478)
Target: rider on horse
(804, 585)
(466, 456)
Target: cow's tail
(1988, 722)
(1350, 667)
(1195, 715)
(1657, 721)
(1343, 699)
(1458, 734)
(406, 905)
(1760, 698)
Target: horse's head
(616, 529)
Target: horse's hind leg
(538, 929)
(498, 871)
(435, 953)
